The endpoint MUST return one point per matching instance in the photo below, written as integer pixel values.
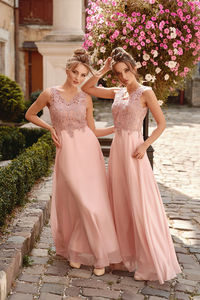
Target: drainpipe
(16, 39)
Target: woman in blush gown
(141, 224)
(81, 217)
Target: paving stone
(56, 279)
(194, 249)
(131, 282)
(88, 292)
(57, 271)
(39, 260)
(198, 257)
(27, 288)
(39, 252)
(153, 292)
(92, 283)
(72, 291)
(80, 273)
(43, 245)
(52, 288)
(184, 288)
(108, 277)
(47, 296)
(183, 258)
(123, 287)
(187, 282)
(192, 274)
(131, 296)
(182, 296)
(181, 250)
(34, 270)
(156, 298)
(19, 296)
(29, 278)
(94, 298)
(156, 285)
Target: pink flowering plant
(162, 36)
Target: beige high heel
(99, 272)
(74, 265)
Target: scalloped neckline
(71, 100)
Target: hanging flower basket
(163, 37)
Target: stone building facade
(36, 37)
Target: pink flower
(173, 57)
(124, 31)
(166, 30)
(144, 63)
(139, 47)
(193, 45)
(180, 4)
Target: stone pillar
(192, 91)
(58, 45)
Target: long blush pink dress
(81, 217)
(141, 224)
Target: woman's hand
(54, 136)
(105, 68)
(140, 151)
(107, 65)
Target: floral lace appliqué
(128, 113)
(68, 115)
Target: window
(36, 12)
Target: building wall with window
(7, 46)
(35, 22)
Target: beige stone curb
(26, 230)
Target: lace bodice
(128, 114)
(68, 115)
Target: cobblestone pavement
(177, 170)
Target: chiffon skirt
(81, 217)
(141, 224)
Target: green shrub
(14, 140)
(11, 100)
(17, 178)
(33, 97)
(32, 135)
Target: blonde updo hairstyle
(120, 55)
(80, 56)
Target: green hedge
(14, 140)
(19, 176)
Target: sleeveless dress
(81, 217)
(141, 224)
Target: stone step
(105, 150)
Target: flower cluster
(163, 37)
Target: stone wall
(7, 47)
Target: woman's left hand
(140, 151)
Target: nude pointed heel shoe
(75, 265)
(99, 272)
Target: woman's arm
(90, 121)
(38, 105)
(90, 85)
(152, 103)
